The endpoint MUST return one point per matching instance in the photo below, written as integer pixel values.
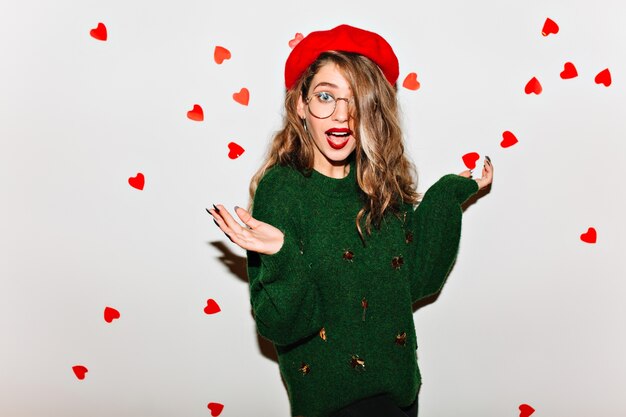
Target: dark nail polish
(207, 210)
(236, 207)
(214, 221)
(487, 158)
(216, 209)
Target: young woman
(337, 254)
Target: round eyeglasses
(322, 105)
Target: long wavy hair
(384, 174)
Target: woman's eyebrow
(326, 84)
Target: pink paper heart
(296, 40)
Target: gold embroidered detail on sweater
(357, 363)
(397, 262)
(305, 368)
(364, 306)
(401, 339)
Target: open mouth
(338, 138)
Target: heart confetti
(410, 82)
(590, 236)
(242, 97)
(296, 40)
(469, 159)
(235, 150)
(99, 33)
(111, 314)
(604, 77)
(508, 139)
(137, 181)
(211, 307)
(79, 371)
(220, 54)
(569, 71)
(533, 86)
(549, 27)
(216, 409)
(525, 410)
(196, 113)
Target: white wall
(530, 314)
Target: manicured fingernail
(236, 207)
(487, 158)
(216, 223)
(216, 209)
(207, 210)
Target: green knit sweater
(340, 314)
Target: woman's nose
(342, 110)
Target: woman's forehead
(329, 75)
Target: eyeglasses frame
(335, 99)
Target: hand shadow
(237, 266)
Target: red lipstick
(338, 137)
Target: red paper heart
(216, 409)
(211, 307)
(533, 86)
(99, 33)
(569, 71)
(469, 159)
(296, 40)
(79, 371)
(242, 97)
(137, 181)
(235, 150)
(111, 314)
(410, 82)
(220, 54)
(604, 77)
(525, 410)
(549, 27)
(590, 236)
(508, 139)
(196, 114)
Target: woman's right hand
(257, 236)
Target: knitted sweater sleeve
(436, 224)
(284, 298)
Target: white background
(530, 313)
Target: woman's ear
(300, 107)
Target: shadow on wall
(237, 266)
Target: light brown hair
(384, 174)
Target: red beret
(342, 38)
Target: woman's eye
(325, 97)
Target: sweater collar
(334, 186)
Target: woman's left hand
(487, 174)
